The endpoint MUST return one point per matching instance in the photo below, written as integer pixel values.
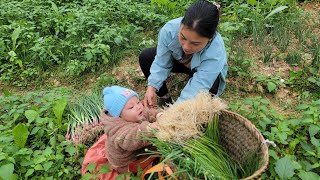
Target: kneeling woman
(190, 45)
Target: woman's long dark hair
(202, 17)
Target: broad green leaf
(58, 109)
(11, 159)
(296, 165)
(29, 172)
(16, 116)
(2, 156)
(47, 165)
(35, 130)
(54, 7)
(6, 171)
(284, 168)
(308, 176)
(48, 151)
(15, 36)
(105, 169)
(117, 40)
(71, 150)
(159, 2)
(312, 79)
(38, 167)
(315, 141)
(303, 106)
(273, 154)
(271, 86)
(19, 62)
(252, 2)
(14, 177)
(91, 167)
(264, 101)
(86, 176)
(12, 54)
(20, 135)
(24, 151)
(26, 162)
(121, 177)
(88, 55)
(276, 10)
(293, 144)
(135, 178)
(53, 141)
(313, 130)
(39, 159)
(31, 115)
(283, 136)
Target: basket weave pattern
(240, 138)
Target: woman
(190, 45)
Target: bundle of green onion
(199, 158)
(84, 125)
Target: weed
(293, 57)
(314, 48)
(291, 134)
(258, 29)
(239, 64)
(105, 80)
(270, 83)
(281, 35)
(306, 79)
(32, 136)
(267, 52)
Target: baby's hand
(153, 126)
(159, 114)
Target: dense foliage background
(273, 79)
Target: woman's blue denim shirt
(207, 64)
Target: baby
(126, 121)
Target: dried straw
(188, 119)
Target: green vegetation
(273, 79)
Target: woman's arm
(162, 63)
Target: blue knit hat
(115, 98)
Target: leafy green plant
(240, 63)
(93, 174)
(75, 38)
(294, 156)
(270, 83)
(32, 137)
(306, 79)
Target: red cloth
(97, 154)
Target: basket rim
(252, 129)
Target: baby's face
(133, 110)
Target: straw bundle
(182, 121)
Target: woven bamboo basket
(240, 138)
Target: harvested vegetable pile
(182, 121)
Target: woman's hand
(150, 97)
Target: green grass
(293, 57)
